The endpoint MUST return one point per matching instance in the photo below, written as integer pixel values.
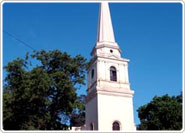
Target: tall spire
(105, 33)
(105, 29)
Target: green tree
(78, 115)
(43, 96)
(162, 113)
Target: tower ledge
(99, 45)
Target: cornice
(110, 92)
(118, 59)
(99, 45)
(94, 59)
(94, 83)
(90, 96)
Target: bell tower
(109, 101)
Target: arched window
(91, 126)
(92, 73)
(113, 76)
(115, 126)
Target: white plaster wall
(106, 108)
(103, 68)
(113, 84)
(115, 108)
(92, 80)
(91, 114)
(101, 72)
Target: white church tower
(109, 101)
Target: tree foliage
(43, 96)
(162, 113)
(78, 115)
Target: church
(109, 100)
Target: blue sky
(149, 34)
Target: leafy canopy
(42, 96)
(162, 113)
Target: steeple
(109, 100)
(105, 33)
(105, 29)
